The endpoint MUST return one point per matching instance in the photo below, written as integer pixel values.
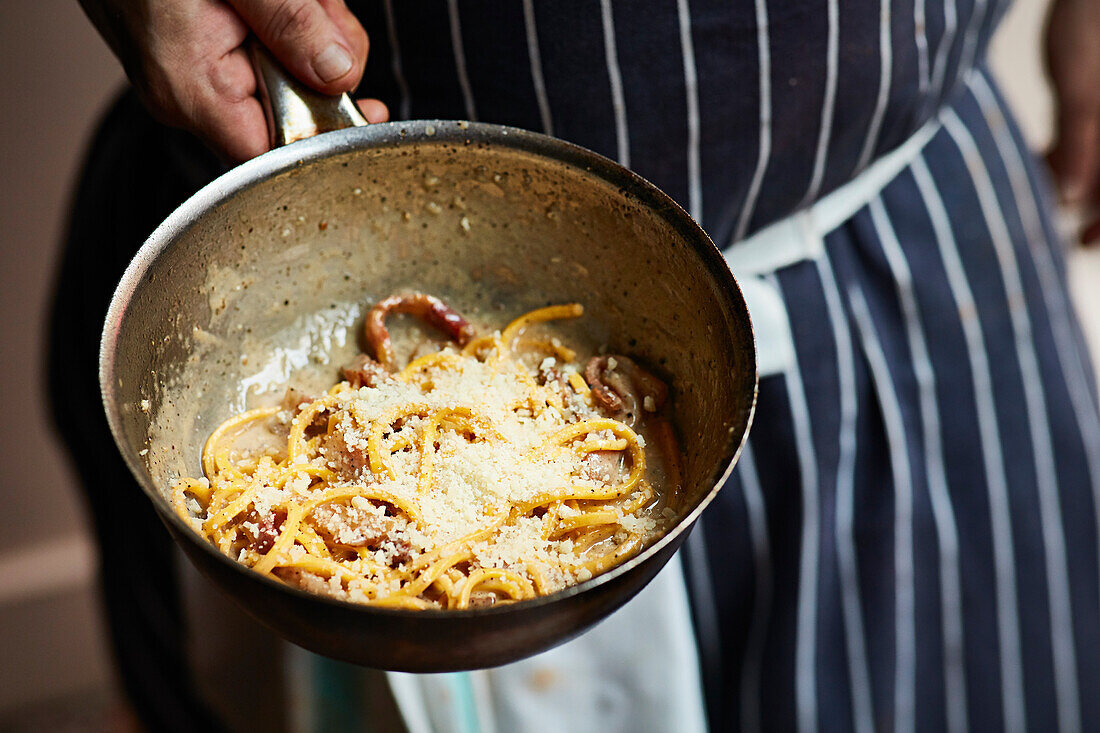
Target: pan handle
(293, 110)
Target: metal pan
(260, 277)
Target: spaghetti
(487, 472)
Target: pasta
(490, 471)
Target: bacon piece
(267, 531)
(623, 388)
(365, 372)
(349, 461)
(374, 530)
(428, 308)
(670, 453)
(602, 465)
(295, 399)
(553, 378)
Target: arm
(187, 62)
(1073, 60)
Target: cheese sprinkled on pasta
(473, 476)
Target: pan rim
(350, 140)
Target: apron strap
(800, 237)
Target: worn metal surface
(272, 263)
(293, 110)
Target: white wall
(56, 80)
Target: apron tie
(800, 237)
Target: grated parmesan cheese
(473, 456)
(473, 482)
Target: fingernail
(332, 63)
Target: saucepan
(261, 278)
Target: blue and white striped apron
(910, 541)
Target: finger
(305, 39)
(236, 132)
(352, 29)
(374, 110)
(195, 75)
(1076, 154)
(226, 114)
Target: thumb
(306, 39)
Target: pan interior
(269, 286)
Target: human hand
(1073, 60)
(187, 62)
